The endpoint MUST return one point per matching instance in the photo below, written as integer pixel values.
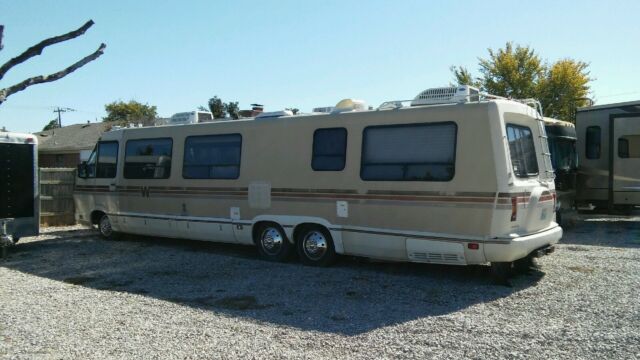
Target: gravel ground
(69, 294)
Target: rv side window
(411, 152)
(212, 157)
(593, 142)
(329, 149)
(523, 151)
(107, 159)
(148, 158)
(629, 146)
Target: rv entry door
(624, 174)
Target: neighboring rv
(19, 194)
(562, 146)
(447, 180)
(609, 156)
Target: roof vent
(274, 114)
(446, 95)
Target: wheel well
(96, 215)
(259, 225)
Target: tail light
(555, 201)
(514, 208)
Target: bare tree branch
(36, 50)
(6, 92)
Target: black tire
(524, 265)
(273, 243)
(502, 272)
(315, 246)
(105, 229)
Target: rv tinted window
(593, 142)
(148, 159)
(329, 149)
(523, 151)
(107, 159)
(629, 146)
(415, 152)
(212, 157)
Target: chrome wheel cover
(105, 226)
(315, 245)
(271, 241)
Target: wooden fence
(56, 196)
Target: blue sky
(178, 54)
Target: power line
(60, 110)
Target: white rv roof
(17, 138)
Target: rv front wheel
(104, 226)
(273, 243)
(315, 246)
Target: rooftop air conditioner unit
(446, 95)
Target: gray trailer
(19, 190)
(609, 156)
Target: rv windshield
(563, 153)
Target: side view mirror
(82, 170)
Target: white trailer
(19, 191)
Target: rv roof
(635, 103)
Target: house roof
(71, 138)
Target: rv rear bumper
(522, 246)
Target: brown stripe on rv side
(325, 191)
(432, 193)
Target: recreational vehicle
(562, 146)
(609, 155)
(19, 199)
(450, 179)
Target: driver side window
(91, 164)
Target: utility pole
(60, 110)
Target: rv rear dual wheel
(315, 246)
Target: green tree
(129, 112)
(295, 111)
(564, 88)
(462, 76)
(217, 108)
(518, 72)
(233, 109)
(53, 124)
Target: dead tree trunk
(36, 50)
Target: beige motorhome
(448, 180)
(609, 156)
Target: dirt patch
(78, 280)
(581, 269)
(240, 303)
